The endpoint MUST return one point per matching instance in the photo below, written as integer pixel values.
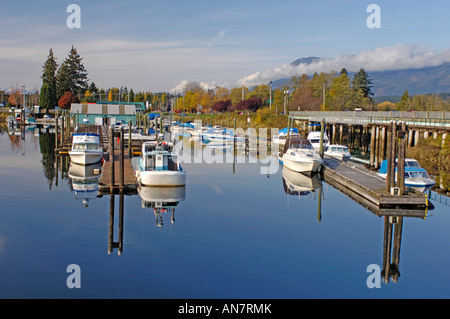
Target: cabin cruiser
(314, 138)
(282, 135)
(299, 156)
(339, 152)
(157, 166)
(416, 177)
(86, 149)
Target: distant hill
(394, 82)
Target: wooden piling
(372, 145)
(56, 130)
(62, 129)
(121, 160)
(322, 128)
(111, 157)
(129, 139)
(401, 159)
(393, 154)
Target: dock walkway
(367, 188)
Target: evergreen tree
(361, 81)
(72, 75)
(62, 80)
(405, 101)
(47, 98)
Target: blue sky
(156, 45)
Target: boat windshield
(305, 145)
(419, 175)
(412, 164)
(85, 147)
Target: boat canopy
(152, 116)
(296, 142)
(411, 165)
(285, 130)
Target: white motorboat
(86, 149)
(299, 155)
(217, 137)
(158, 166)
(139, 135)
(299, 184)
(339, 152)
(416, 177)
(282, 135)
(314, 138)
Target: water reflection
(163, 200)
(299, 184)
(393, 229)
(84, 181)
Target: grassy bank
(262, 118)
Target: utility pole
(323, 86)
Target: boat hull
(85, 158)
(306, 166)
(161, 178)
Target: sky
(159, 46)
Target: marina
(222, 235)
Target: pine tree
(361, 81)
(78, 81)
(62, 80)
(47, 98)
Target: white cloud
(219, 36)
(400, 56)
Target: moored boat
(158, 166)
(299, 156)
(282, 135)
(314, 138)
(416, 177)
(86, 149)
(339, 152)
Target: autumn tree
(67, 99)
(15, 98)
(222, 106)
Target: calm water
(235, 235)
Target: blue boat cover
(284, 131)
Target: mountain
(394, 82)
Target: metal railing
(427, 119)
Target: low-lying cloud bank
(401, 56)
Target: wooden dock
(366, 188)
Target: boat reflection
(295, 183)
(163, 200)
(84, 181)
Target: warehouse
(104, 114)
